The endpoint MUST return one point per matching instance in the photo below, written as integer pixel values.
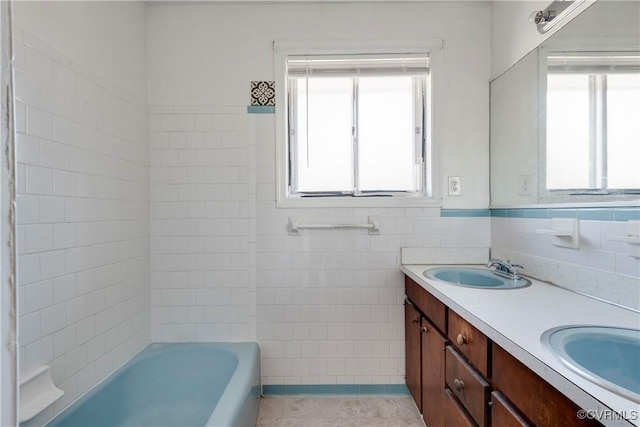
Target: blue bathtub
(185, 384)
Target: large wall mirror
(565, 119)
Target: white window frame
(285, 48)
(576, 196)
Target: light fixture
(553, 14)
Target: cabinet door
(433, 395)
(412, 352)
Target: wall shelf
(37, 393)
(565, 232)
(632, 238)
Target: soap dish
(37, 393)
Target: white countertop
(515, 319)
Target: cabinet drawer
(468, 386)
(455, 414)
(469, 341)
(505, 415)
(538, 401)
(427, 303)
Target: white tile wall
(330, 302)
(326, 306)
(82, 215)
(600, 267)
(202, 236)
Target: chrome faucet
(504, 269)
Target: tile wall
(600, 267)
(326, 306)
(82, 215)
(202, 224)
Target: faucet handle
(514, 270)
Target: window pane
(568, 150)
(623, 131)
(323, 134)
(386, 136)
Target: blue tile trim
(467, 213)
(626, 214)
(596, 214)
(590, 214)
(335, 389)
(536, 213)
(563, 213)
(348, 389)
(261, 109)
(274, 389)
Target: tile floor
(345, 411)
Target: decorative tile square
(263, 93)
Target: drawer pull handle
(424, 329)
(461, 340)
(458, 384)
(416, 319)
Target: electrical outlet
(454, 186)
(524, 185)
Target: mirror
(565, 119)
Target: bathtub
(183, 384)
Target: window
(593, 105)
(355, 125)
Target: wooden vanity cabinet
(535, 398)
(466, 380)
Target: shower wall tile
(201, 266)
(82, 215)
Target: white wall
(83, 190)
(106, 37)
(514, 133)
(513, 36)
(207, 55)
(326, 306)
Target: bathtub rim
(244, 376)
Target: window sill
(359, 202)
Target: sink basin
(609, 357)
(474, 278)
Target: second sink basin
(474, 278)
(609, 357)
